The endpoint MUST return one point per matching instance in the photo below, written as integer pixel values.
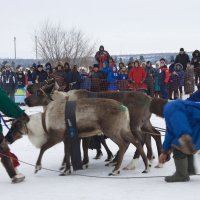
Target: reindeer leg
(121, 152)
(67, 169)
(103, 142)
(46, 146)
(158, 141)
(85, 144)
(63, 165)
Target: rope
(4, 121)
(90, 176)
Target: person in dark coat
(8, 81)
(182, 58)
(21, 80)
(96, 79)
(73, 79)
(102, 56)
(196, 63)
(182, 135)
(48, 68)
(86, 81)
(39, 75)
(180, 73)
(163, 78)
(10, 109)
(149, 78)
(189, 79)
(173, 85)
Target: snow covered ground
(128, 185)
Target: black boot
(191, 168)
(181, 174)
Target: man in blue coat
(182, 135)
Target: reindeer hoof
(62, 167)
(114, 173)
(145, 171)
(37, 168)
(65, 173)
(85, 166)
(159, 165)
(109, 158)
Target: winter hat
(181, 49)
(7, 65)
(96, 66)
(60, 64)
(162, 60)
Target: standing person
(113, 77)
(171, 66)
(163, 78)
(182, 58)
(21, 80)
(189, 80)
(86, 81)
(102, 56)
(67, 67)
(59, 76)
(10, 109)
(39, 75)
(73, 78)
(156, 85)
(149, 78)
(182, 135)
(173, 85)
(48, 68)
(180, 73)
(196, 63)
(9, 81)
(137, 76)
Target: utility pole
(15, 47)
(36, 49)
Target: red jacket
(137, 75)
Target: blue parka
(182, 117)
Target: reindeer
(93, 117)
(138, 104)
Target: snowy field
(48, 185)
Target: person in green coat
(10, 109)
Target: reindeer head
(18, 129)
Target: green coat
(8, 107)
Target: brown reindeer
(138, 105)
(93, 117)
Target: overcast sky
(123, 27)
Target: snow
(128, 185)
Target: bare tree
(57, 44)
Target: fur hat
(157, 106)
(60, 63)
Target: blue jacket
(181, 117)
(113, 77)
(123, 76)
(194, 97)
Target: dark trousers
(164, 91)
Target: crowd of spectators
(168, 81)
